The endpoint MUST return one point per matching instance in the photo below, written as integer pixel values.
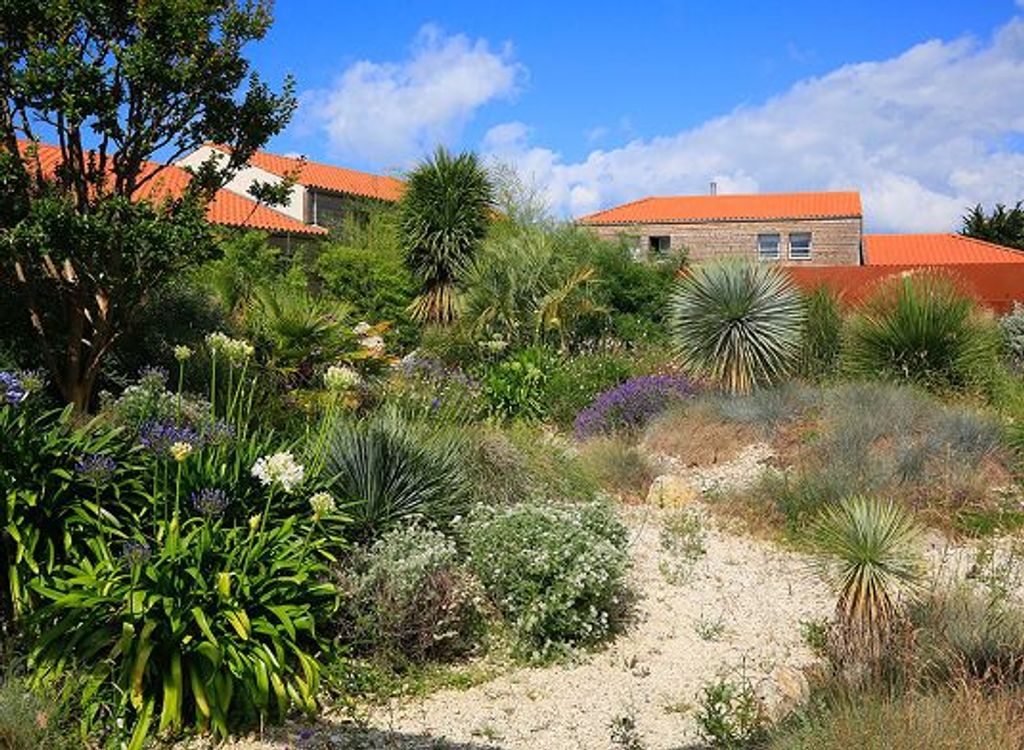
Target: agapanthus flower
(182, 352)
(218, 432)
(279, 470)
(153, 378)
(12, 390)
(181, 450)
(340, 378)
(236, 350)
(158, 437)
(321, 504)
(210, 502)
(135, 553)
(95, 467)
(32, 381)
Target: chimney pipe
(714, 188)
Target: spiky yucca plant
(920, 328)
(444, 215)
(737, 323)
(865, 548)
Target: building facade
(816, 229)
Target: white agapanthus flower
(340, 378)
(235, 350)
(321, 504)
(279, 470)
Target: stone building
(816, 229)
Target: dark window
(800, 246)
(660, 245)
(768, 246)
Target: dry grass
(619, 466)
(965, 719)
(697, 437)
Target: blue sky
(918, 104)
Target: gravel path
(739, 609)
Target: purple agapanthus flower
(218, 432)
(632, 404)
(210, 502)
(96, 467)
(12, 390)
(158, 437)
(135, 553)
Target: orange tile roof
(226, 208)
(934, 249)
(698, 208)
(328, 177)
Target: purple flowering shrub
(632, 404)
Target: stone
(671, 491)
(789, 689)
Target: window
(660, 245)
(800, 246)
(768, 246)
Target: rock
(788, 689)
(671, 491)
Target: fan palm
(737, 323)
(865, 549)
(444, 215)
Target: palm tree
(865, 549)
(444, 215)
(737, 323)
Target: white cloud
(922, 135)
(392, 112)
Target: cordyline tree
(114, 83)
(1004, 226)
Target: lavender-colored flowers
(158, 437)
(12, 390)
(96, 468)
(631, 404)
(218, 432)
(135, 553)
(210, 502)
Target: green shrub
(557, 573)
(619, 466)
(497, 470)
(921, 329)
(421, 389)
(515, 387)
(392, 472)
(408, 598)
(730, 714)
(1012, 328)
(737, 324)
(29, 721)
(579, 380)
(552, 465)
(821, 343)
(207, 624)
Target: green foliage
(373, 282)
(89, 249)
(580, 378)
(425, 390)
(738, 324)
(866, 551)
(443, 217)
(393, 472)
(208, 624)
(408, 598)
(514, 388)
(821, 343)
(1012, 327)
(921, 329)
(731, 715)
(44, 502)
(619, 466)
(557, 573)
(1004, 226)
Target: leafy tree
(116, 85)
(444, 215)
(1004, 226)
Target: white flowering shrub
(556, 572)
(408, 598)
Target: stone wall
(834, 242)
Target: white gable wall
(246, 176)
